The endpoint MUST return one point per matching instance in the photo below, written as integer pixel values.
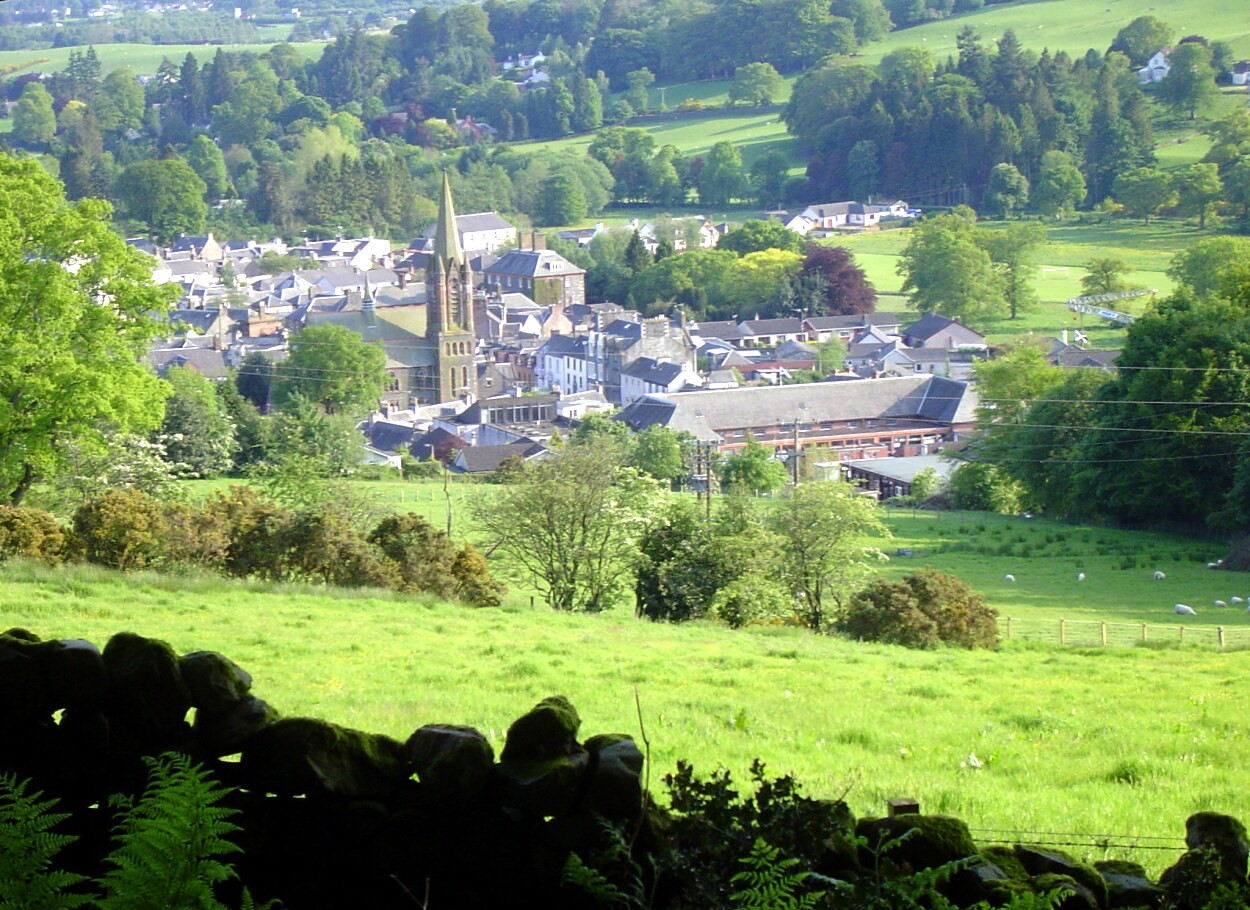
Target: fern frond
(168, 843)
(28, 846)
(771, 882)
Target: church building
(449, 307)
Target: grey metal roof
(484, 459)
(922, 396)
(649, 370)
(904, 468)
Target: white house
(1156, 68)
(830, 215)
(1241, 73)
(480, 231)
(648, 377)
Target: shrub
(323, 546)
(30, 534)
(195, 537)
(474, 584)
(923, 610)
(257, 542)
(122, 529)
(427, 561)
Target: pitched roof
(533, 264)
(929, 325)
(484, 459)
(653, 372)
(783, 326)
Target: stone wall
(338, 818)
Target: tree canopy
(80, 310)
(333, 367)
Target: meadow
(145, 59)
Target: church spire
(446, 237)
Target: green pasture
(1125, 742)
(144, 58)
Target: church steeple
(450, 306)
(446, 236)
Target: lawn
(1122, 742)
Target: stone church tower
(449, 282)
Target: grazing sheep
(1080, 576)
(1235, 600)
(1184, 610)
(1009, 578)
(1216, 564)
(1219, 603)
(1159, 576)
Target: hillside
(1068, 741)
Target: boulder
(939, 839)
(76, 677)
(1225, 835)
(1127, 884)
(1073, 894)
(548, 731)
(455, 764)
(227, 732)
(616, 785)
(1048, 861)
(215, 681)
(24, 695)
(301, 756)
(148, 699)
(545, 789)
(978, 883)
(1189, 883)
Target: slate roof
(205, 361)
(930, 324)
(726, 330)
(485, 459)
(785, 326)
(390, 437)
(653, 372)
(533, 264)
(855, 321)
(198, 321)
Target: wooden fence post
(1063, 631)
(1182, 628)
(1009, 628)
(1104, 633)
(1220, 629)
(1145, 633)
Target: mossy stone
(215, 681)
(1005, 858)
(1047, 860)
(148, 699)
(24, 694)
(545, 789)
(227, 732)
(1074, 895)
(547, 731)
(454, 764)
(616, 788)
(939, 839)
(304, 756)
(1224, 834)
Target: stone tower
(450, 307)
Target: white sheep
(1080, 576)
(1215, 565)
(1219, 603)
(1235, 600)
(1009, 577)
(1159, 576)
(1184, 610)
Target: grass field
(1125, 742)
(144, 59)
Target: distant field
(144, 58)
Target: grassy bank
(1125, 742)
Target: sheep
(1219, 603)
(1184, 610)
(1159, 576)
(1215, 565)
(1235, 600)
(1080, 576)
(1009, 577)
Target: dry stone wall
(333, 817)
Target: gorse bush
(30, 534)
(923, 610)
(121, 529)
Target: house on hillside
(934, 331)
(544, 276)
(1241, 73)
(646, 376)
(1156, 68)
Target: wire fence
(1110, 843)
(1088, 633)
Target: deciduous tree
(946, 271)
(79, 313)
(334, 367)
(1105, 275)
(1144, 191)
(756, 83)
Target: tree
(1189, 85)
(197, 431)
(636, 93)
(1200, 190)
(571, 523)
(1105, 275)
(34, 123)
(1206, 266)
(844, 289)
(333, 367)
(752, 470)
(1011, 250)
(923, 610)
(1141, 38)
(121, 101)
(660, 452)
(1144, 191)
(1059, 187)
(768, 174)
(824, 528)
(946, 271)
(1007, 191)
(72, 368)
(561, 200)
(869, 18)
(722, 179)
(756, 234)
(206, 159)
(166, 195)
(756, 83)
(1008, 385)
(863, 171)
